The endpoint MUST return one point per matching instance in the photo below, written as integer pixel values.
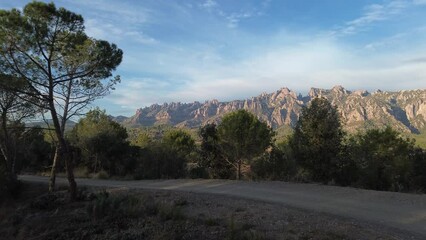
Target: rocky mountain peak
(317, 92)
(404, 110)
(362, 93)
(339, 90)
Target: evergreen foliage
(317, 139)
(64, 68)
(211, 155)
(102, 142)
(276, 164)
(384, 160)
(166, 158)
(242, 137)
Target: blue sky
(196, 50)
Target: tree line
(241, 147)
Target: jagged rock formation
(403, 110)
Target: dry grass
(132, 214)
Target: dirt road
(396, 210)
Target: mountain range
(403, 110)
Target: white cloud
(372, 14)
(116, 11)
(113, 32)
(140, 37)
(209, 4)
(419, 2)
(386, 42)
(134, 93)
(234, 18)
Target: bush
(101, 175)
(196, 171)
(3, 183)
(274, 165)
(346, 170)
(418, 173)
(171, 212)
(384, 160)
(109, 205)
(81, 172)
(160, 161)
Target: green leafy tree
(167, 157)
(211, 155)
(383, 159)
(65, 69)
(13, 110)
(276, 164)
(242, 137)
(179, 141)
(177, 146)
(139, 137)
(103, 142)
(34, 152)
(317, 139)
(418, 173)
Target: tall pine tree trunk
(63, 153)
(69, 165)
(6, 151)
(238, 177)
(52, 179)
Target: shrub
(276, 164)
(81, 172)
(101, 175)
(170, 212)
(196, 171)
(418, 173)
(383, 160)
(160, 161)
(106, 204)
(3, 183)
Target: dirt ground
(121, 213)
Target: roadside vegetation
(109, 214)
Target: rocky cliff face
(403, 110)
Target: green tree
(167, 157)
(103, 142)
(383, 159)
(65, 69)
(34, 152)
(211, 155)
(276, 164)
(13, 110)
(242, 137)
(317, 139)
(418, 173)
(139, 137)
(179, 141)
(177, 146)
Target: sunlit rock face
(403, 110)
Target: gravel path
(397, 210)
